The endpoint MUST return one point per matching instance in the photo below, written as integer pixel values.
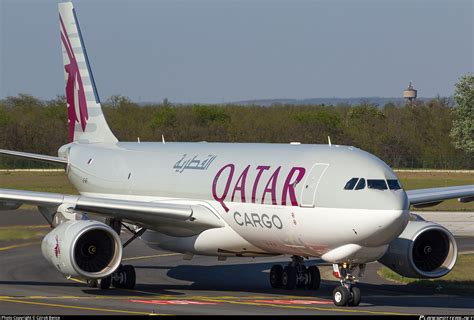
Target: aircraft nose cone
(388, 199)
(388, 226)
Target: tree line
(415, 135)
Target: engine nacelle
(85, 248)
(423, 250)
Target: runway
(169, 285)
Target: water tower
(409, 94)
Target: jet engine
(423, 250)
(85, 248)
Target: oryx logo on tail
(75, 95)
(85, 117)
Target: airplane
(337, 203)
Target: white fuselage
(273, 198)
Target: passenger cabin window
(377, 184)
(351, 184)
(393, 184)
(361, 184)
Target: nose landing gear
(347, 294)
(295, 275)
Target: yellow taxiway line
(81, 308)
(226, 299)
(21, 245)
(194, 298)
(217, 299)
(44, 226)
(308, 308)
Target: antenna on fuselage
(138, 139)
(329, 141)
(163, 139)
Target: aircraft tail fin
(85, 118)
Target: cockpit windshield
(393, 184)
(351, 184)
(378, 184)
(361, 184)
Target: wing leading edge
(190, 219)
(33, 156)
(433, 196)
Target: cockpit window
(351, 184)
(361, 184)
(377, 184)
(393, 184)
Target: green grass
(459, 281)
(37, 181)
(57, 182)
(22, 232)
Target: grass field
(458, 281)
(57, 182)
(13, 233)
(37, 181)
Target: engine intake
(423, 250)
(85, 248)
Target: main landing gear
(124, 277)
(347, 294)
(295, 275)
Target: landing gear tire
(93, 283)
(315, 278)
(275, 276)
(105, 283)
(341, 296)
(355, 298)
(118, 277)
(130, 278)
(288, 277)
(124, 277)
(302, 277)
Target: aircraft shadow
(41, 283)
(254, 278)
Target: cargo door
(308, 192)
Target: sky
(215, 51)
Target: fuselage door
(308, 192)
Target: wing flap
(114, 207)
(437, 195)
(186, 219)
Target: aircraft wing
(33, 156)
(433, 196)
(191, 219)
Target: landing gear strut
(347, 294)
(295, 275)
